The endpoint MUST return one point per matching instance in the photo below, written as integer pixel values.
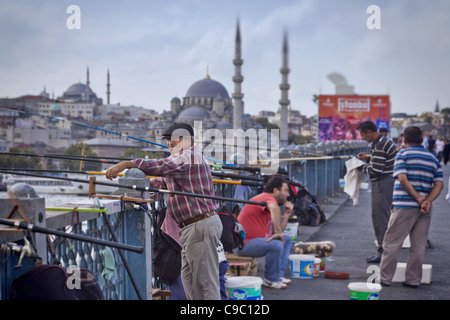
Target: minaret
(87, 77)
(437, 109)
(87, 84)
(237, 79)
(108, 92)
(284, 101)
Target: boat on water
(54, 186)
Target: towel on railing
(109, 265)
(352, 179)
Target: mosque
(207, 100)
(82, 92)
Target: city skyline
(154, 50)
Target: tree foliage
(78, 150)
(139, 153)
(266, 124)
(13, 162)
(299, 139)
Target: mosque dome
(194, 113)
(207, 87)
(78, 88)
(81, 92)
(156, 124)
(55, 107)
(224, 124)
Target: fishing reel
(25, 250)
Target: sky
(155, 50)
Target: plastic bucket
(341, 184)
(317, 263)
(302, 266)
(322, 263)
(364, 291)
(291, 230)
(244, 288)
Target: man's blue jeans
(276, 253)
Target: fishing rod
(34, 228)
(250, 168)
(144, 189)
(249, 182)
(236, 176)
(104, 130)
(56, 156)
(303, 158)
(253, 169)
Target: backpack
(233, 234)
(167, 252)
(307, 209)
(49, 282)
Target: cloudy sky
(156, 49)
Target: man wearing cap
(186, 170)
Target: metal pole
(31, 227)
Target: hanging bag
(49, 282)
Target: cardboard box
(399, 275)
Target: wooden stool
(158, 294)
(248, 265)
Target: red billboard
(339, 115)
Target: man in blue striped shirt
(419, 181)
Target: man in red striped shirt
(186, 170)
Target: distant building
(106, 147)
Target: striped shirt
(421, 169)
(186, 171)
(382, 159)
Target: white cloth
(352, 180)
(448, 193)
(439, 145)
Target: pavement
(349, 226)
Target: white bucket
(364, 291)
(317, 263)
(244, 288)
(302, 266)
(291, 230)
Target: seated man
(264, 227)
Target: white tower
(284, 101)
(87, 98)
(237, 79)
(108, 85)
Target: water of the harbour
(55, 200)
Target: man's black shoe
(374, 259)
(410, 285)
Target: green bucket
(364, 291)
